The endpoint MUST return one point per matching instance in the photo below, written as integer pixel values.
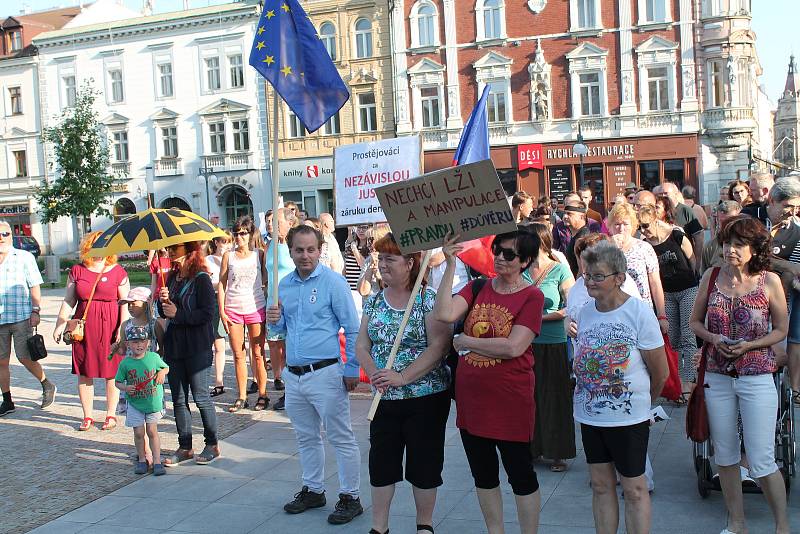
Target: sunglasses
(644, 226)
(5, 234)
(507, 253)
(243, 233)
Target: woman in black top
(676, 267)
(188, 302)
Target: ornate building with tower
(787, 123)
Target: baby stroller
(785, 451)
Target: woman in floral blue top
(412, 416)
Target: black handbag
(36, 347)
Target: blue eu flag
(288, 52)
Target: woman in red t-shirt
(494, 379)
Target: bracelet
(35, 311)
(662, 317)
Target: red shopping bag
(672, 387)
(362, 376)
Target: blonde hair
(86, 245)
(622, 212)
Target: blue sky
(774, 22)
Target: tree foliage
(84, 185)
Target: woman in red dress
(90, 356)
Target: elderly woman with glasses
(494, 378)
(620, 368)
(640, 258)
(742, 316)
(242, 305)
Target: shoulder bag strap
(701, 369)
(94, 287)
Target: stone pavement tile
(107, 529)
(152, 513)
(225, 518)
(460, 526)
(199, 488)
(469, 509)
(270, 494)
(59, 526)
(313, 522)
(446, 500)
(568, 511)
(146, 486)
(100, 509)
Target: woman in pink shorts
(242, 284)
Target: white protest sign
(467, 200)
(360, 168)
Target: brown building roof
(32, 25)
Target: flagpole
(275, 185)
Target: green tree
(84, 185)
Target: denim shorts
(794, 317)
(135, 418)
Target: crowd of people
(572, 327)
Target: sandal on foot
(209, 454)
(683, 400)
(110, 424)
(238, 405)
(261, 404)
(556, 467)
(87, 424)
(180, 456)
(216, 391)
(427, 528)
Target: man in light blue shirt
(314, 304)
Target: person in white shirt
(620, 368)
(437, 266)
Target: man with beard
(20, 305)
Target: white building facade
(179, 103)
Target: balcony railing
(121, 167)
(168, 167)
(728, 118)
(235, 161)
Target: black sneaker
(305, 500)
(279, 385)
(6, 407)
(346, 510)
(48, 394)
(281, 404)
(252, 388)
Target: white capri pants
(756, 398)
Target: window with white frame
(653, 11)
(431, 105)
(117, 93)
(746, 83)
(69, 90)
(589, 84)
(327, 33)
(120, 145)
(332, 126)
(20, 163)
(236, 68)
(712, 8)
(15, 40)
(658, 89)
(15, 100)
(496, 102)
(213, 76)
(216, 132)
(716, 83)
(241, 135)
(584, 14)
(363, 38)
(424, 24)
(169, 140)
(296, 128)
(166, 84)
(367, 112)
(491, 19)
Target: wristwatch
(36, 309)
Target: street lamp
(207, 173)
(581, 150)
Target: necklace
(507, 290)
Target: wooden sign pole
(398, 338)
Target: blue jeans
(181, 377)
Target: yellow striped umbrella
(153, 229)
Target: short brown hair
(304, 229)
(387, 245)
(519, 198)
(750, 231)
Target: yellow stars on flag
(285, 8)
(287, 70)
(260, 45)
(269, 60)
(260, 30)
(270, 14)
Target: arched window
(328, 34)
(363, 38)
(426, 24)
(123, 207)
(237, 203)
(175, 202)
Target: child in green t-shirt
(141, 377)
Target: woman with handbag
(676, 267)
(732, 315)
(94, 288)
(188, 302)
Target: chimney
(26, 9)
(148, 7)
(186, 5)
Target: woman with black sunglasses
(494, 378)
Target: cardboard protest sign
(466, 199)
(360, 168)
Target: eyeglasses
(243, 233)
(597, 277)
(507, 253)
(5, 234)
(362, 227)
(644, 226)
